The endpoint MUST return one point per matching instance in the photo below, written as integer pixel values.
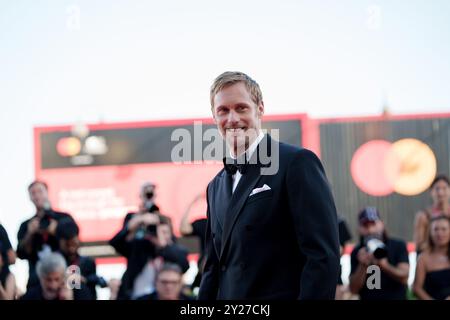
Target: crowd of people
(156, 262)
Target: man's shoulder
(87, 261)
(292, 151)
(290, 155)
(151, 296)
(24, 225)
(62, 214)
(217, 177)
(396, 243)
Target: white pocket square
(265, 187)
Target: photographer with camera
(36, 235)
(376, 248)
(147, 241)
(67, 234)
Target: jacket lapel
(223, 198)
(246, 184)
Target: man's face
(440, 192)
(69, 247)
(38, 195)
(373, 228)
(51, 284)
(169, 285)
(147, 193)
(237, 116)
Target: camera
(151, 230)
(46, 219)
(376, 247)
(150, 207)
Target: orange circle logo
(68, 147)
(407, 166)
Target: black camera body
(151, 230)
(376, 247)
(151, 207)
(44, 222)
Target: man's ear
(261, 109)
(213, 116)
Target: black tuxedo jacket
(280, 243)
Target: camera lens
(377, 248)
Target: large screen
(95, 172)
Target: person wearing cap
(381, 276)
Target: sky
(94, 61)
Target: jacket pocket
(260, 195)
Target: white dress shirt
(237, 176)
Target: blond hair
(229, 78)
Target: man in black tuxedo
(271, 234)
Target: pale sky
(68, 61)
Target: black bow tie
(233, 165)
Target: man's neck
(248, 148)
(40, 212)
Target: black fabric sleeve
(21, 253)
(4, 240)
(402, 252)
(353, 260)
(313, 212)
(344, 233)
(210, 278)
(119, 241)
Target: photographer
(36, 236)
(389, 254)
(69, 243)
(53, 281)
(147, 241)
